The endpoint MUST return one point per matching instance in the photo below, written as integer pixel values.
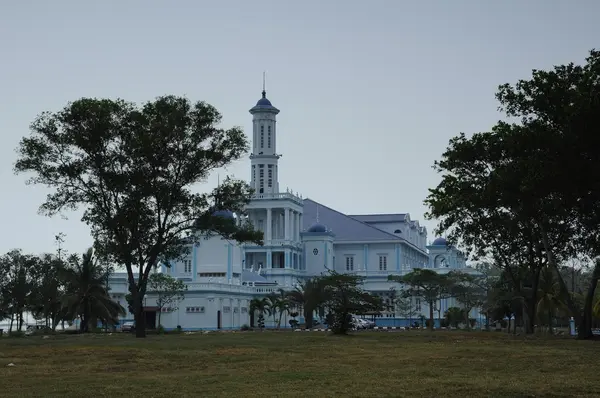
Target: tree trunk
(12, 321)
(159, 313)
(431, 315)
(139, 316)
(251, 319)
(279, 321)
(585, 325)
(550, 321)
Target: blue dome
(317, 228)
(440, 242)
(223, 214)
(263, 102)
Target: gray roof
(248, 276)
(377, 218)
(344, 227)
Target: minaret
(264, 157)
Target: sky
(369, 92)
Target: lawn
(289, 364)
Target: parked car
(128, 327)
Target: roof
(264, 104)
(248, 276)
(344, 227)
(377, 218)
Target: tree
(48, 288)
(134, 171)
(562, 106)
(282, 305)
(425, 284)
(260, 305)
(468, 290)
(18, 270)
(86, 295)
(168, 290)
(310, 295)
(455, 315)
(345, 297)
(405, 307)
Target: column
(297, 226)
(268, 229)
(286, 225)
(300, 219)
(292, 224)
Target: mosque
(302, 238)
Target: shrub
(245, 328)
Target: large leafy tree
(133, 170)
(426, 285)
(168, 290)
(18, 270)
(481, 204)
(560, 111)
(345, 297)
(86, 296)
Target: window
(418, 304)
(350, 263)
(261, 177)
(253, 172)
(226, 310)
(270, 176)
(197, 310)
(244, 310)
(262, 138)
(269, 138)
(260, 225)
(269, 129)
(262, 129)
(211, 274)
(187, 266)
(382, 263)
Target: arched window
(397, 231)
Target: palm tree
(282, 305)
(310, 295)
(272, 306)
(550, 297)
(260, 305)
(86, 294)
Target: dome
(440, 242)
(263, 102)
(317, 228)
(223, 214)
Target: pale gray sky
(370, 92)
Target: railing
(284, 195)
(225, 287)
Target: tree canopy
(525, 194)
(134, 171)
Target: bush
(160, 329)
(245, 328)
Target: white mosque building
(302, 238)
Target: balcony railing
(284, 195)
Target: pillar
(269, 226)
(287, 224)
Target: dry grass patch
(372, 364)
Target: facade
(302, 238)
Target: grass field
(288, 364)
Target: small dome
(317, 228)
(440, 242)
(223, 214)
(263, 102)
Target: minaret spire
(264, 92)
(317, 213)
